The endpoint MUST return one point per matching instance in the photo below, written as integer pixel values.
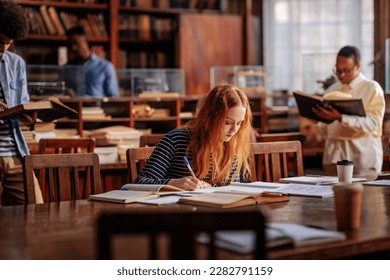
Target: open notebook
(320, 191)
(277, 234)
(133, 192)
(316, 180)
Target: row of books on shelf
(77, 1)
(182, 4)
(145, 27)
(47, 21)
(143, 59)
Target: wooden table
(66, 230)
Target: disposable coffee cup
(348, 204)
(345, 171)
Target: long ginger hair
(207, 130)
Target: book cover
(120, 196)
(231, 200)
(46, 18)
(220, 200)
(55, 19)
(48, 110)
(307, 102)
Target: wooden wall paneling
(207, 40)
(381, 32)
(247, 31)
(253, 48)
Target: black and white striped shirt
(7, 140)
(166, 162)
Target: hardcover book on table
(119, 196)
(231, 200)
(342, 103)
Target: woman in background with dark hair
(216, 143)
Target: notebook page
(250, 188)
(166, 199)
(307, 190)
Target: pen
(189, 167)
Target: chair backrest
(63, 146)
(136, 159)
(181, 228)
(150, 139)
(288, 136)
(66, 145)
(61, 176)
(271, 161)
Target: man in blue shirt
(100, 75)
(13, 91)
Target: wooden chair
(136, 160)
(66, 145)
(180, 229)
(271, 161)
(61, 176)
(273, 137)
(150, 139)
(63, 146)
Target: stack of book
(94, 113)
(107, 154)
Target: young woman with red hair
(215, 142)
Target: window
(302, 38)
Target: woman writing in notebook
(215, 142)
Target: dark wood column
(381, 32)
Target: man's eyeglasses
(344, 71)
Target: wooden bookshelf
(119, 111)
(174, 34)
(49, 21)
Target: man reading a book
(100, 75)
(353, 137)
(13, 91)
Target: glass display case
(44, 80)
(151, 82)
(221, 74)
(251, 79)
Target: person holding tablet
(215, 142)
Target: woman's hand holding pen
(188, 183)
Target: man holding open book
(13, 92)
(353, 137)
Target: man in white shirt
(352, 137)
